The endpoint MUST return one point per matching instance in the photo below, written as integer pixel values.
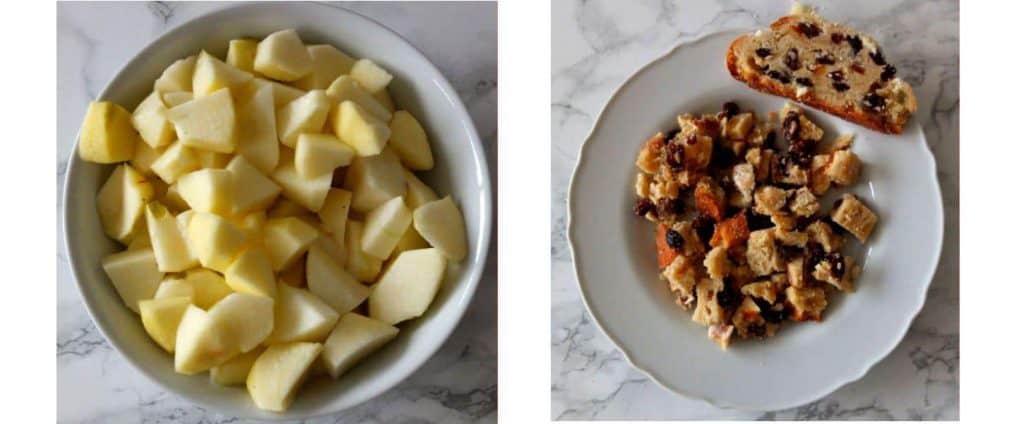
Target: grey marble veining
(95, 385)
(597, 44)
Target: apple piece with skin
(384, 226)
(107, 134)
(234, 371)
(209, 287)
(319, 154)
(206, 123)
(359, 129)
(150, 119)
(251, 273)
(362, 266)
(257, 130)
(278, 372)
(286, 239)
(245, 320)
(211, 75)
(353, 339)
(310, 193)
(409, 141)
(384, 98)
(408, 286)
(306, 114)
(252, 190)
(440, 223)
(160, 318)
(331, 283)
(216, 241)
(283, 57)
(134, 274)
(242, 53)
(177, 76)
(370, 75)
(300, 316)
(174, 98)
(374, 180)
(208, 190)
(168, 240)
(121, 200)
(334, 213)
(199, 344)
(175, 287)
(417, 193)
(328, 64)
(175, 161)
(144, 157)
(346, 88)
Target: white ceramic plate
(614, 254)
(461, 169)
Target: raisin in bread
(824, 65)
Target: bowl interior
(418, 87)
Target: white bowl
(461, 170)
(613, 251)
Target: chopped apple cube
(440, 223)
(384, 226)
(144, 157)
(331, 283)
(408, 286)
(251, 273)
(172, 199)
(174, 98)
(300, 316)
(294, 275)
(150, 119)
(168, 240)
(334, 212)
(174, 162)
(347, 88)
(276, 375)
(206, 123)
(362, 266)
(252, 190)
(384, 98)
(134, 274)
(212, 75)
(215, 240)
(328, 64)
(209, 287)
(175, 287)
(251, 224)
(411, 240)
(209, 159)
(207, 190)
(334, 248)
(160, 318)
(107, 134)
(286, 239)
(374, 180)
(353, 339)
(242, 53)
(245, 320)
(120, 202)
(417, 193)
(310, 193)
(306, 114)
(283, 57)
(177, 77)
(257, 130)
(358, 128)
(283, 93)
(319, 154)
(234, 371)
(370, 75)
(409, 142)
(199, 344)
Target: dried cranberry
(756, 330)
(709, 125)
(690, 140)
(874, 102)
(836, 75)
(874, 86)
(857, 68)
(769, 140)
(756, 221)
(675, 156)
(840, 86)
(722, 157)
(728, 297)
(780, 76)
(877, 57)
(838, 265)
(731, 109)
(815, 254)
(763, 52)
(837, 38)
(673, 239)
(642, 206)
(792, 59)
(888, 72)
(825, 59)
(855, 43)
(704, 225)
(791, 126)
(809, 30)
(791, 252)
(769, 314)
(804, 81)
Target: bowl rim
(473, 273)
(650, 373)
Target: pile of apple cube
(273, 225)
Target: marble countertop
(94, 384)
(596, 45)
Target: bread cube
(769, 200)
(764, 289)
(738, 126)
(721, 334)
(709, 198)
(844, 168)
(682, 279)
(804, 203)
(820, 232)
(806, 304)
(748, 321)
(762, 254)
(708, 311)
(819, 181)
(855, 217)
(796, 274)
(717, 263)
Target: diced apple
(306, 114)
(211, 75)
(251, 273)
(300, 316)
(174, 98)
(150, 119)
(384, 98)
(330, 244)
(334, 212)
(160, 318)
(294, 275)
(245, 320)
(134, 274)
(251, 224)
(252, 190)
(120, 202)
(408, 286)
(177, 160)
(384, 226)
(347, 88)
(139, 239)
(319, 154)
(172, 199)
(328, 64)
(283, 57)
(310, 193)
(409, 142)
(276, 375)
(440, 223)
(209, 287)
(257, 130)
(210, 159)
(284, 208)
(417, 193)
(286, 239)
(199, 345)
(411, 240)
(283, 93)
(362, 266)
(374, 180)
(208, 190)
(353, 339)
(206, 123)
(144, 157)
(331, 283)
(168, 240)
(107, 134)
(216, 241)
(359, 129)
(175, 287)
(234, 371)
(177, 77)
(370, 75)
(242, 53)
